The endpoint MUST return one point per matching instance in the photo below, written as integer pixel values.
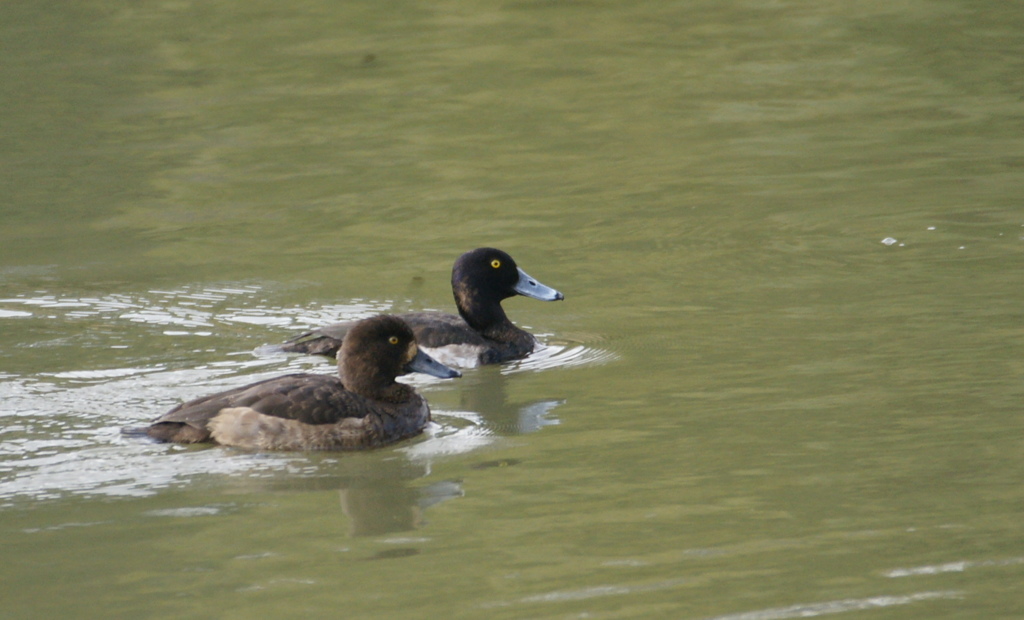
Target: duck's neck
(372, 384)
(485, 317)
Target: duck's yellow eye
(495, 263)
(393, 340)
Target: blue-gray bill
(529, 287)
(430, 366)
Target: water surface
(785, 381)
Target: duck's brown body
(363, 407)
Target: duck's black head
(483, 277)
(379, 349)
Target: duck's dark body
(449, 338)
(480, 334)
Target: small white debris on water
(888, 241)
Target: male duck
(362, 407)
(481, 334)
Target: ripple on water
(451, 433)
(808, 610)
(187, 307)
(61, 430)
(68, 441)
(553, 352)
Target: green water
(785, 382)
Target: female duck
(481, 334)
(363, 407)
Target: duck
(362, 407)
(480, 334)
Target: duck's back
(446, 337)
(432, 329)
(309, 398)
(440, 329)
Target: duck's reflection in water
(378, 490)
(485, 392)
(389, 506)
(381, 500)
